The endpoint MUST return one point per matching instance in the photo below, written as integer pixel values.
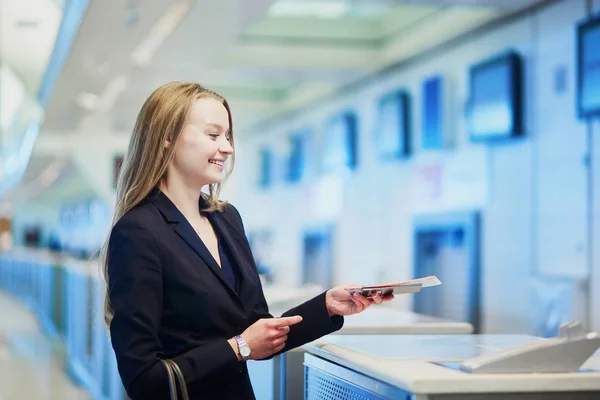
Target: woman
(181, 279)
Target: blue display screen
(266, 166)
(495, 98)
(432, 114)
(590, 70)
(297, 160)
(491, 113)
(339, 147)
(391, 135)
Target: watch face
(245, 351)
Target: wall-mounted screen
(261, 243)
(298, 162)
(266, 167)
(588, 68)
(495, 101)
(317, 263)
(433, 114)
(339, 151)
(392, 132)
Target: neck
(185, 198)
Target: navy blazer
(171, 300)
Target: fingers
(388, 297)
(357, 303)
(285, 321)
(274, 333)
(284, 330)
(279, 348)
(279, 341)
(363, 300)
(377, 299)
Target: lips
(217, 162)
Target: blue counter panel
(324, 380)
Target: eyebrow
(219, 127)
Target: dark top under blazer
(170, 300)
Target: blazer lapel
(183, 228)
(221, 225)
(188, 234)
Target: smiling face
(203, 146)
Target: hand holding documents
(411, 286)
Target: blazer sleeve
(316, 321)
(135, 291)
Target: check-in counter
(283, 376)
(426, 367)
(67, 298)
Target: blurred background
(376, 141)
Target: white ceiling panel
(28, 29)
(265, 63)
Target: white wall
(595, 282)
(532, 193)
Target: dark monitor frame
(349, 140)
(588, 24)
(401, 101)
(515, 82)
(433, 135)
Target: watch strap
(241, 343)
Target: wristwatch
(243, 348)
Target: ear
(167, 143)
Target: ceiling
(30, 25)
(266, 56)
(57, 178)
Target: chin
(213, 180)
(211, 175)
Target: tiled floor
(29, 368)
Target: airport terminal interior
(377, 142)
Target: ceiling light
(143, 53)
(52, 172)
(112, 92)
(89, 101)
(24, 23)
(315, 8)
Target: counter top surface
(408, 362)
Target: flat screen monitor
(266, 167)
(339, 151)
(299, 156)
(392, 133)
(318, 256)
(433, 114)
(588, 68)
(495, 101)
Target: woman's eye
(214, 135)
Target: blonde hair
(161, 118)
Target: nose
(225, 147)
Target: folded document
(412, 286)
